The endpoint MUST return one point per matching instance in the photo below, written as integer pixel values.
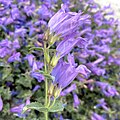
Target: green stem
(53, 103)
(46, 83)
(46, 115)
(48, 101)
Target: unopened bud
(47, 57)
(46, 36)
(54, 61)
(57, 92)
(51, 89)
(53, 39)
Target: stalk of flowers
(64, 73)
(80, 66)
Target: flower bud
(46, 36)
(53, 39)
(54, 61)
(51, 89)
(57, 92)
(47, 57)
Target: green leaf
(35, 106)
(36, 48)
(47, 75)
(58, 106)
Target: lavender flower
(36, 88)
(96, 116)
(66, 46)
(37, 76)
(76, 100)
(1, 104)
(106, 89)
(14, 57)
(65, 73)
(65, 23)
(102, 103)
(68, 90)
(18, 109)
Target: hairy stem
(46, 83)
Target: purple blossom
(14, 57)
(1, 103)
(16, 44)
(36, 88)
(65, 23)
(37, 76)
(65, 46)
(4, 52)
(96, 116)
(5, 43)
(102, 103)
(65, 73)
(76, 100)
(30, 59)
(68, 90)
(18, 109)
(106, 89)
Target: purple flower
(65, 73)
(102, 103)
(16, 44)
(68, 90)
(36, 88)
(1, 104)
(37, 76)
(5, 43)
(65, 23)
(95, 116)
(14, 57)
(44, 12)
(96, 70)
(18, 109)
(30, 59)
(65, 46)
(4, 51)
(76, 100)
(106, 89)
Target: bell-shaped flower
(66, 72)
(64, 22)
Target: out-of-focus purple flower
(106, 89)
(34, 66)
(36, 88)
(1, 103)
(37, 76)
(61, 117)
(29, 10)
(20, 32)
(65, 73)
(76, 100)
(5, 43)
(14, 57)
(15, 13)
(4, 51)
(102, 103)
(65, 23)
(44, 12)
(16, 44)
(68, 90)
(96, 70)
(30, 59)
(95, 116)
(18, 109)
